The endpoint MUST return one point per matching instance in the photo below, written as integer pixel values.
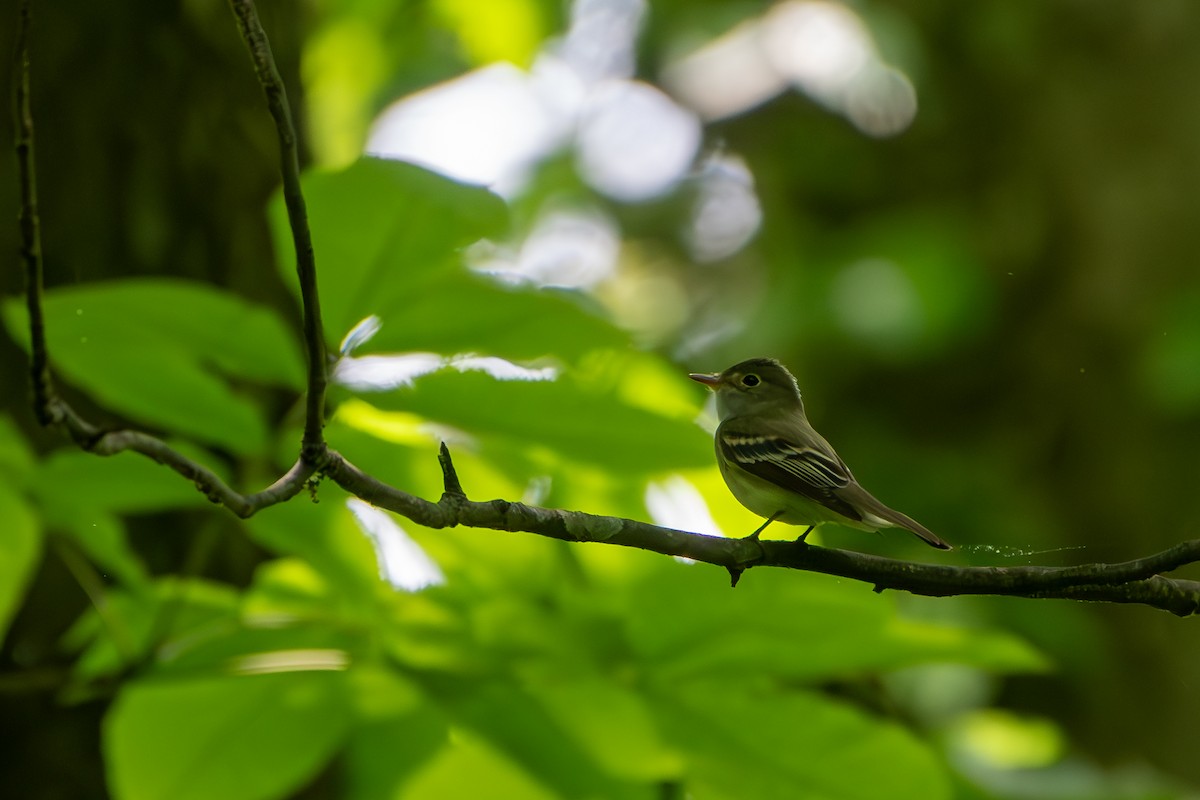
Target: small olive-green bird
(777, 466)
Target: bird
(778, 466)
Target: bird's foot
(763, 527)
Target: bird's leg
(763, 527)
(800, 539)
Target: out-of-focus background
(967, 228)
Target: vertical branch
(31, 229)
(255, 37)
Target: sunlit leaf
(128, 483)
(570, 419)
(751, 742)
(380, 229)
(614, 724)
(500, 30)
(153, 350)
(237, 738)
(172, 616)
(399, 732)
(388, 238)
(718, 632)
(515, 725)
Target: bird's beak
(709, 379)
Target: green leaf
(473, 767)
(613, 724)
(126, 484)
(398, 733)
(171, 617)
(579, 423)
(513, 723)
(327, 538)
(380, 227)
(20, 545)
(741, 742)
(101, 536)
(719, 633)
(16, 457)
(467, 313)
(388, 237)
(237, 738)
(150, 349)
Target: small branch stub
(453, 487)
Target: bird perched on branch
(777, 466)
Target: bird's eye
(750, 380)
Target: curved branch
(1129, 582)
(49, 407)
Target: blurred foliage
(993, 316)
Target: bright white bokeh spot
(386, 372)
(676, 503)
(726, 213)
(402, 562)
(600, 43)
(634, 142)
(881, 101)
(572, 248)
(501, 369)
(818, 45)
(727, 76)
(822, 48)
(875, 299)
(488, 127)
(381, 373)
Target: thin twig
(313, 444)
(31, 226)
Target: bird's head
(755, 386)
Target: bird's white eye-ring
(750, 380)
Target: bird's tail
(893, 518)
(929, 537)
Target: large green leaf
(128, 483)
(817, 628)
(151, 349)
(20, 544)
(766, 743)
(16, 457)
(513, 723)
(576, 421)
(398, 732)
(388, 238)
(232, 737)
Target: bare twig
(31, 226)
(252, 31)
(53, 410)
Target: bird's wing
(780, 460)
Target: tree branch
(1129, 582)
(49, 407)
(306, 267)
(31, 226)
